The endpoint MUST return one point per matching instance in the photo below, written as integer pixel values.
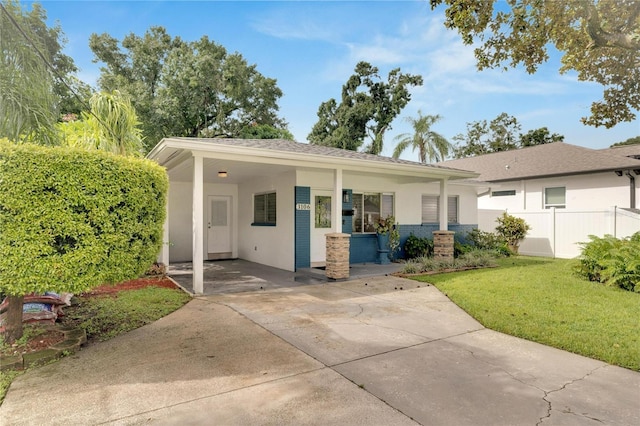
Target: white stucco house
(566, 192)
(273, 201)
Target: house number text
(303, 206)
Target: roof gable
(554, 159)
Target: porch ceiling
(241, 171)
(237, 171)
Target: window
(505, 193)
(368, 208)
(431, 209)
(555, 197)
(264, 209)
(323, 211)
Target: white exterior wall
(597, 190)
(274, 246)
(407, 196)
(180, 228)
(591, 202)
(268, 245)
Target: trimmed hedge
(73, 219)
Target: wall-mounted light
(222, 174)
(619, 172)
(345, 196)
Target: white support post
(336, 206)
(444, 205)
(197, 225)
(164, 251)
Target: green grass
(106, 317)
(542, 300)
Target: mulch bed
(51, 336)
(131, 285)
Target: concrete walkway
(375, 351)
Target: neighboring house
(273, 201)
(559, 178)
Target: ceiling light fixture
(222, 174)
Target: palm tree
(431, 145)
(111, 125)
(26, 96)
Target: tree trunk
(13, 326)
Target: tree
(539, 137)
(631, 141)
(263, 131)
(367, 108)
(69, 92)
(499, 135)
(431, 146)
(112, 125)
(26, 96)
(599, 39)
(184, 88)
(483, 138)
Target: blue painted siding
(302, 228)
(426, 230)
(347, 221)
(363, 248)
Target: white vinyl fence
(558, 232)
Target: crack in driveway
(563, 387)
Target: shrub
(74, 219)
(411, 268)
(472, 259)
(415, 247)
(460, 249)
(512, 229)
(483, 240)
(612, 261)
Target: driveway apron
(375, 351)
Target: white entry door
(321, 224)
(219, 228)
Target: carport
(238, 275)
(257, 199)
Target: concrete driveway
(375, 351)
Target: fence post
(553, 230)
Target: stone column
(337, 256)
(443, 245)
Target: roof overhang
(173, 152)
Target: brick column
(337, 256)
(443, 245)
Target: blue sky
(311, 48)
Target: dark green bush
(74, 219)
(415, 247)
(460, 249)
(612, 261)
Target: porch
(238, 275)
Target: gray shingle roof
(303, 148)
(554, 159)
(625, 150)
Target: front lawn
(542, 300)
